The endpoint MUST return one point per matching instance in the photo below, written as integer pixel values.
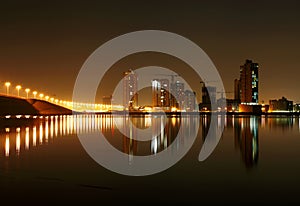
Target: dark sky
(44, 44)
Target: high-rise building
(208, 97)
(178, 94)
(206, 90)
(249, 83)
(130, 90)
(190, 100)
(160, 93)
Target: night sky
(44, 44)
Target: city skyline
(45, 46)
(171, 95)
(187, 100)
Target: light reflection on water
(246, 130)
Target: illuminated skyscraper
(179, 94)
(160, 93)
(208, 97)
(206, 90)
(130, 89)
(190, 100)
(249, 83)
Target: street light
(41, 95)
(34, 94)
(18, 87)
(27, 90)
(47, 98)
(7, 84)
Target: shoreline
(46, 116)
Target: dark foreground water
(257, 160)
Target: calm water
(256, 160)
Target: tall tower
(130, 89)
(179, 94)
(206, 90)
(249, 82)
(160, 93)
(190, 100)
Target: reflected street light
(18, 87)
(27, 90)
(7, 84)
(34, 94)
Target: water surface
(256, 160)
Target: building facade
(248, 83)
(160, 93)
(208, 97)
(130, 90)
(283, 105)
(190, 101)
(178, 94)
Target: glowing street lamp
(27, 91)
(34, 94)
(41, 95)
(7, 84)
(52, 99)
(18, 87)
(47, 98)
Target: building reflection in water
(162, 131)
(246, 139)
(245, 134)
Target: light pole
(18, 87)
(47, 98)
(41, 95)
(7, 84)
(34, 94)
(27, 90)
